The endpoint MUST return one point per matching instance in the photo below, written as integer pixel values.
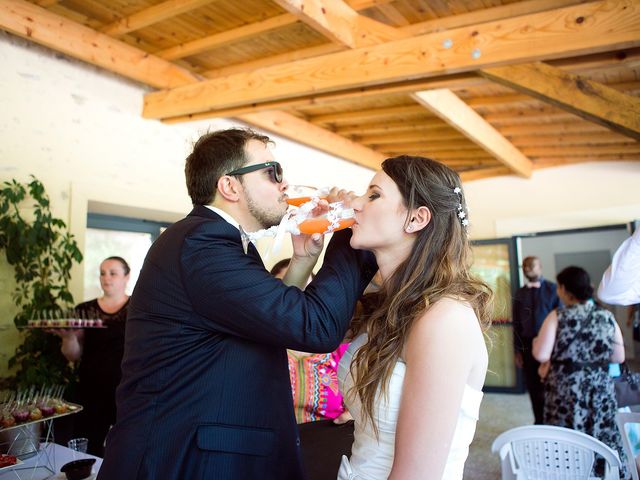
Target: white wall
(575, 196)
(79, 130)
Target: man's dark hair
(213, 155)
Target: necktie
(533, 284)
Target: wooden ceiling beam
(456, 164)
(364, 4)
(580, 96)
(224, 38)
(293, 56)
(46, 3)
(393, 128)
(582, 151)
(151, 15)
(466, 164)
(583, 63)
(332, 18)
(448, 137)
(284, 57)
(460, 116)
(299, 130)
(404, 111)
(478, 17)
(460, 81)
(533, 117)
(452, 82)
(340, 23)
(551, 128)
(58, 33)
(424, 147)
(561, 32)
(627, 58)
(481, 173)
(453, 162)
(568, 139)
(547, 162)
(494, 100)
(498, 100)
(461, 145)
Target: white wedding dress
(371, 458)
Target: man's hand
(340, 195)
(307, 247)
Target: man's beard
(266, 218)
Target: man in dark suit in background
(531, 305)
(205, 390)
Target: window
(108, 235)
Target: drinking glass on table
(78, 444)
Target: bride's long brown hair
(438, 266)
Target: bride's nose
(357, 203)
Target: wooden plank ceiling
(489, 87)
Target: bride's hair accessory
(462, 215)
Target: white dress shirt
(620, 284)
(224, 215)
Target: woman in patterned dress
(324, 425)
(579, 340)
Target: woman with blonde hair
(99, 353)
(413, 374)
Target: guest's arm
(546, 339)
(620, 284)
(72, 342)
(306, 250)
(618, 345)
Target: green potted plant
(42, 252)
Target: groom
(205, 389)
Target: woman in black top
(99, 351)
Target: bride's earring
(409, 228)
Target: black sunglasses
(275, 172)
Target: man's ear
(420, 218)
(228, 188)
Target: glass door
(496, 263)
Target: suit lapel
(250, 249)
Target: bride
(413, 374)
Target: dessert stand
(32, 439)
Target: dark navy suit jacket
(205, 390)
(530, 307)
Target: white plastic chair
(623, 418)
(545, 452)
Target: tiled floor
(498, 412)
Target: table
(52, 455)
